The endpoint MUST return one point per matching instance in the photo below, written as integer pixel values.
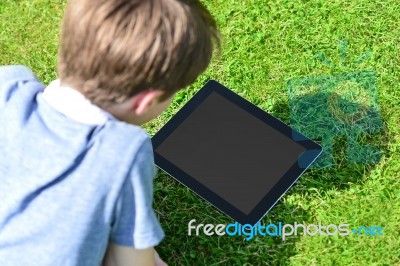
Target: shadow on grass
(177, 205)
(352, 135)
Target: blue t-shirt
(68, 188)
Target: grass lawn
(266, 43)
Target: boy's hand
(158, 261)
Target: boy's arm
(117, 255)
(135, 229)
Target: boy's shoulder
(20, 90)
(15, 72)
(12, 77)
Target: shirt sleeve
(135, 222)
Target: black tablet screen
(230, 151)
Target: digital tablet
(231, 153)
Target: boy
(76, 169)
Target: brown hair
(112, 49)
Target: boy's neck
(74, 105)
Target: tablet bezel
(313, 150)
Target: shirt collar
(73, 104)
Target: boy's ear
(145, 99)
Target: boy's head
(113, 50)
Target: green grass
(265, 43)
